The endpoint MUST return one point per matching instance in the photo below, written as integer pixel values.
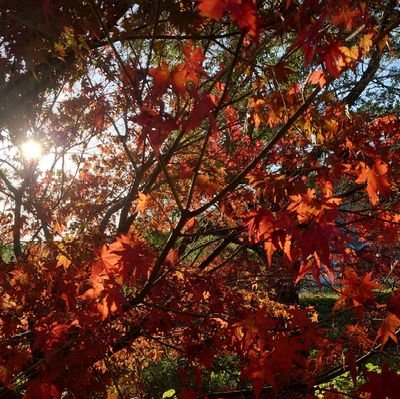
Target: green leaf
(169, 394)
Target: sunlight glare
(31, 150)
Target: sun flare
(31, 150)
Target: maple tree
(204, 158)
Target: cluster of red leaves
(124, 262)
(304, 228)
(357, 290)
(384, 385)
(76, 304)
(243, 12)
(376, 178)
(184, 77)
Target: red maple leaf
(333, 58)
(47, 337)
(37, 389)
(388, 329)
(213, 9)
(393, 305)
(161, 78)
(155, 126)
(99, 119)
(244, 13)
(357, 291)
(261, 226)
(110, 303)
(202, 108)
(382, 386)
(345, 15)
(186, 75)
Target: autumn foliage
(202, 162)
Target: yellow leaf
(63, 261)
(350, 55)
(365, 43)
(142, 202)
(59, 49)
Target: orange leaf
(110, 303)
(388, 329)
(206, 185)
(161, 78)
(94, 292)
(142, 202)
(269, 248)
(318, 77)
(172, 257)
(376, 178)
(110, 257)
(243, 12)
(212, 8)
(345, 15)
(358, 290)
